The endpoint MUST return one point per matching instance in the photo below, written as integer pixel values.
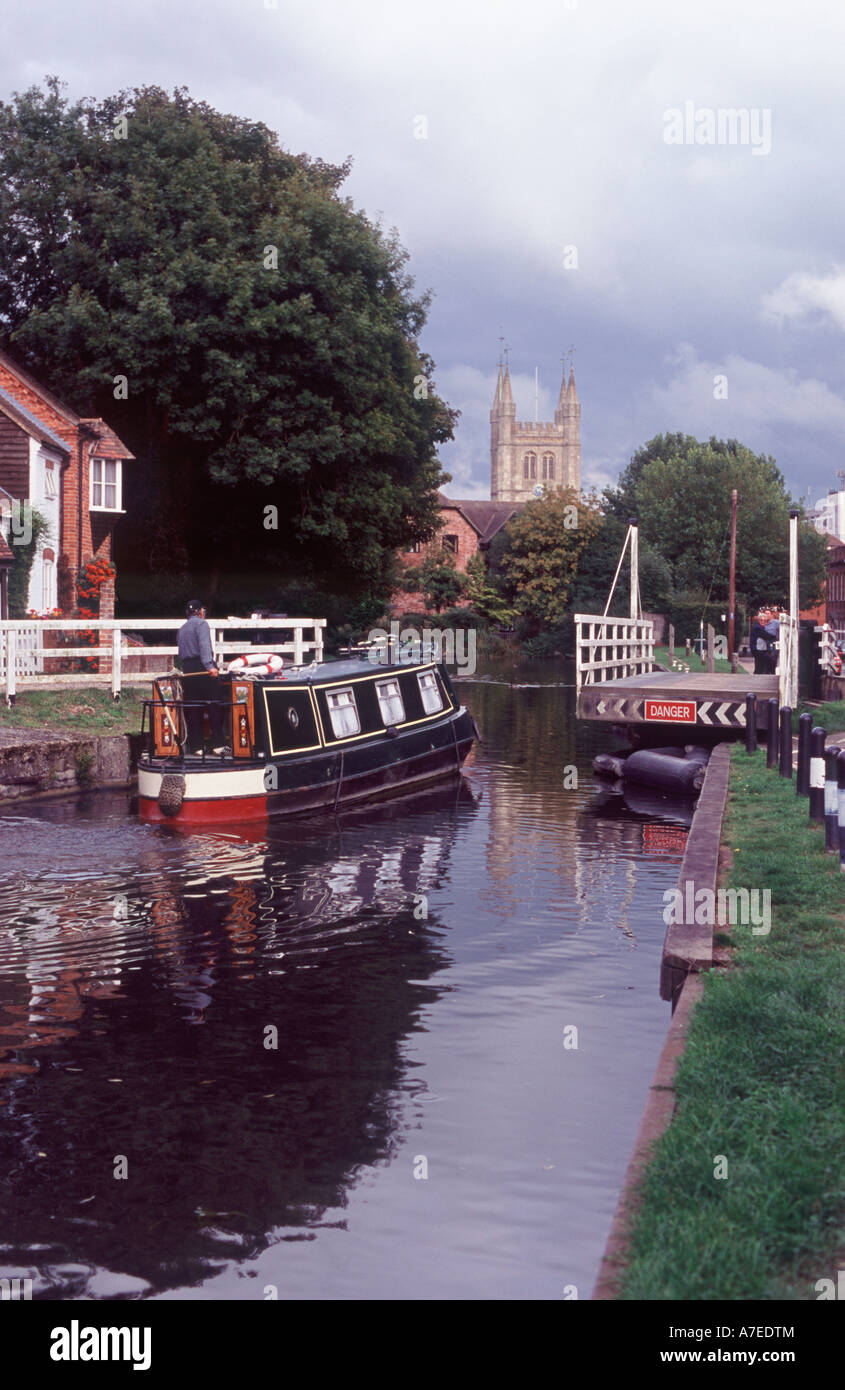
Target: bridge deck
(677, 698)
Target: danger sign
(678, 711)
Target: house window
(529, 466)
(50, 489)
(413, 549)
(105, 485)
(390, 702)
(431, 697)
(548, 465)
(343, 713)
(450, 543)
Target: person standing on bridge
(760, 644)
(197, 660)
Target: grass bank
(91, 711)
(694, 661)
(829, 716)
(760, 1083)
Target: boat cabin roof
(348, 668)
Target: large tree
(545, 542)
(266, 329)
(681, 490)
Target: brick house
(70, 469)
(466, 527)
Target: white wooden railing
(608, 649)
(23, 653)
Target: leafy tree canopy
(546, 541)
(266, 329)
(680, 489)
(437, 578)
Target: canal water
(400, 1055)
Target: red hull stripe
(218, 811)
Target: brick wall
(453, 524)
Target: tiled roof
(6, 556)
(486, 518)
(30, 422)
(109, 446)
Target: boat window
(431, 697)
(390, 702)
(343, 713)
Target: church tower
(526, 455)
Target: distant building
(835, 594)
(466, 527)
(828, 516)
(71, 470)
(526, 456)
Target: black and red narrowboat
(303, 740)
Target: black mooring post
(772, 733)
(831, 800)
(751, 722)
(840, 778)
(786, 741)
(817, 739)
(802, 781)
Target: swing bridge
(618, 680)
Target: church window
(548, 465)
(529, 466)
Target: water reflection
(228, 1017)
(265, 1028)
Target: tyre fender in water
(171, 794)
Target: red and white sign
(673, 711)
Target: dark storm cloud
(497, 139)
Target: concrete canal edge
(687, 950)
(42, 762)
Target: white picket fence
(23, 653)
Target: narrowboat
(302, 740)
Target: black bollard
(817, 738)
(802, 783)
(751, 722)
(840, 778)
(786, 741)
(772, 734)
(831, 800)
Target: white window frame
(390, 702)
(429, 688)
(51, 489)
(341, 703)
(101, 484)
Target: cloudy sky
(560, 172)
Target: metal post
(831, 800)
(635, 568)
(751, 722)
(817, 740)
(711, 648)
(792, 691)
(802, 781)
(785, 741)
(671, 642)
(840, 779)
(772, 733)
